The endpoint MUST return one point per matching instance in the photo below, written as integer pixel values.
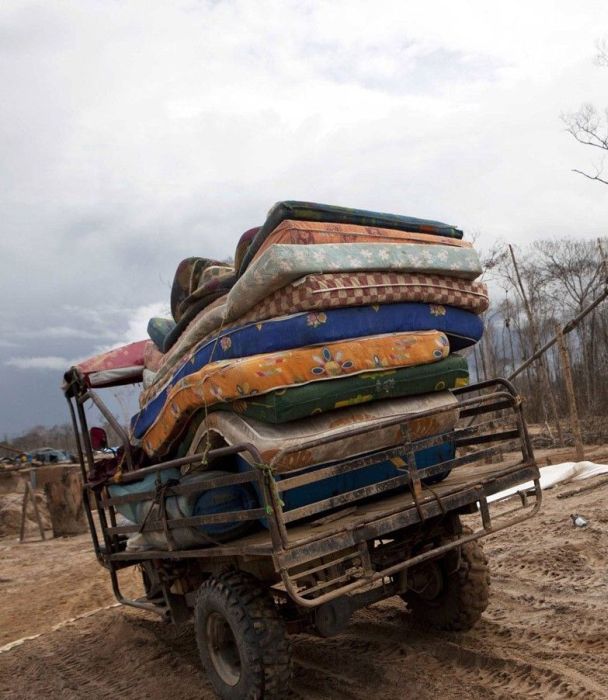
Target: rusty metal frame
(368, 576)
(475, 401)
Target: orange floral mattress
(227, 380)
(314, 232)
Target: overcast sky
(134, 134)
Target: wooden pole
(23, 513)
(567, 370)
(477, 375)
(36, 512)
(29, 496)
(536, 344)
(570, 326)
(483, 360)
(63, 490)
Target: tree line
(59, 437)
(535, 290)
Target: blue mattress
(240, 497)
(463, 328)
(342, 483)
(223, 499)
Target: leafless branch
(590, 177)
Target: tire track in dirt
(544, 635)
(116, 653)
(496, 665)
(120, 653)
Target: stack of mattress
(343, 315)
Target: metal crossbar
(292, 552)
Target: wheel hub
(426, 581)
(223, 649)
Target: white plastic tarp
(557, 474)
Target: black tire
(437, 479)
(151, 582)
(242, 639)
(464, 593)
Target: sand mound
(10, 482)
(10, 514)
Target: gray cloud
(50, 362)
(134, 134)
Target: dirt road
(545, 634)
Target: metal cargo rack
(345, 544)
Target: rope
(437, 497)
(269, 480)
(160, 500)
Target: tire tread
(262, 629)
(467, 596)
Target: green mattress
(298, 402)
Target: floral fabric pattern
(325, 291)
(271, 439)
(330, 291)
(298, 402)
(224, 381)
(311, 211)
(191, 273)
(313, 232)
(282, 264)
(462, 329)
(207, 321)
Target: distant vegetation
(60, 437)
(558, 279)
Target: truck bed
(374, 518)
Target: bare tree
(589, 126)
(560, 278)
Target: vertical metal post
(91, 464)
(78, 439)
(86, 494)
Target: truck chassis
(311, 567)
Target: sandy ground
(545, 634)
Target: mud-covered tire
(151, 581)
(242, 639)
(464, 594)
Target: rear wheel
(242, 639)
(453, 591)
(151, 581)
